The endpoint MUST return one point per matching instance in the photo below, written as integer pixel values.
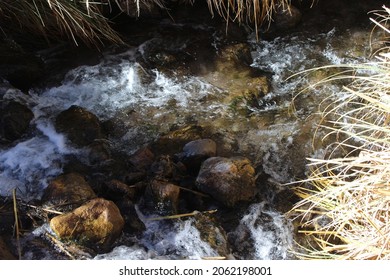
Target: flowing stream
(148, 102)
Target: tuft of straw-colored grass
(78, 20)
(253, 11)
(345, 202)
(85, 20)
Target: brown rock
(67, 192)
(99, 152)
(15, 119)
(163, 167)
(163, 197)
(172, 142)
(81, 126)
(98, 222)
(118, 189)
(142, 159)
(286, 18)
(236, 54)
(227, 180)
(212, 233)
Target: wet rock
(235, 54)
(15, 119)
(195, 152)
(67, 192)
(97, 223)
(162, 197)
(227, 180)
(21, 68)
(172, 142)
(81, 126)
(212, 233)
(261, 234)
(285, 18)
(99, 152)
(163, 167)
(142, 159)
(132, 222)
(5, 252)
(118, 190)
(132, 178)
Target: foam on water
(180, 240)
(103, 89)
(31, 163)
(161, 240)
(118, 83)
(270, 231)
(108, 87)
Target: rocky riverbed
(177, 145)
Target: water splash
(263, 234)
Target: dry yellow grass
(345, 202)
(84, 20)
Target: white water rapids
(119, 84)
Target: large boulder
(67, 192)
(227, 180)
(15, 119)
(80, 126)
(97, 223)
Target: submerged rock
(212, 233)
(98, 222)
(237, 55)
(172, 142)
(15, 119)
(67, 191)
(261, 234)
(80, 126)
(227, 180)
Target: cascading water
(120, 84)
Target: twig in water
(182, 215)
(16, 223)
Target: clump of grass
(81, 21)
(253, 11)
(85, 20)
(345, 202)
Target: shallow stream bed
(189, 76)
